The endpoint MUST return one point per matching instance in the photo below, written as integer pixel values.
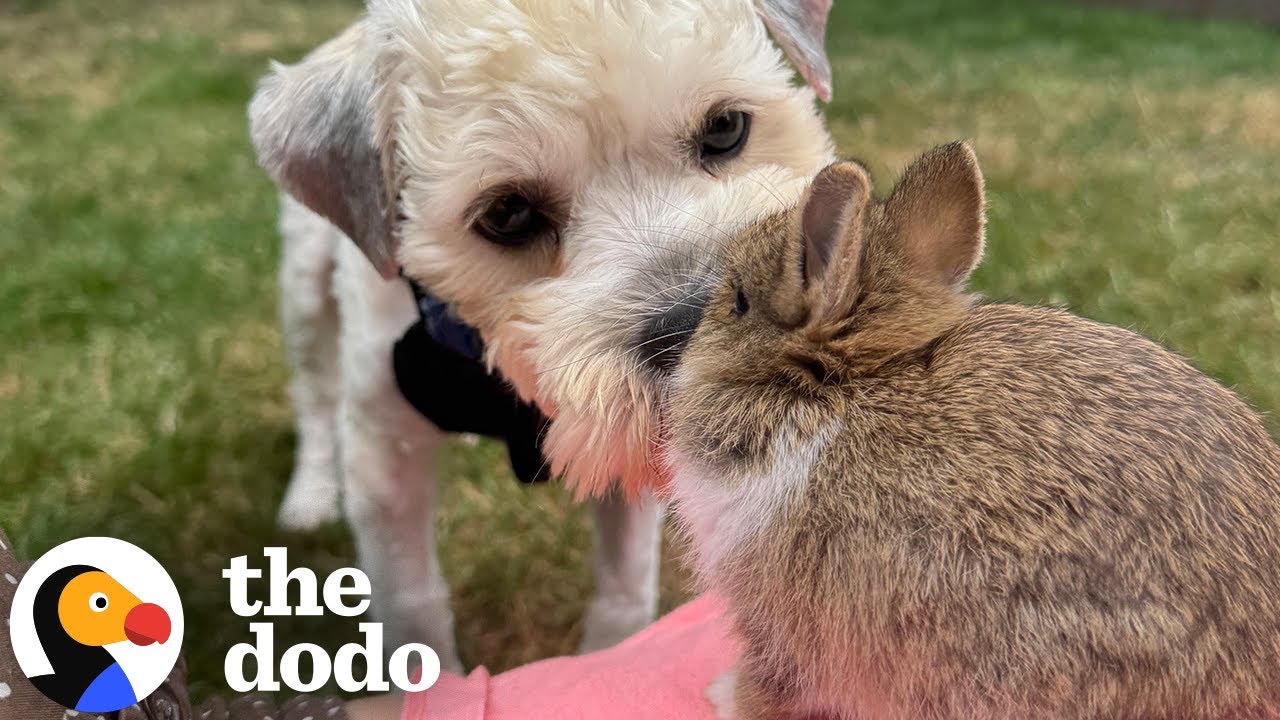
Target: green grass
(1133, 165)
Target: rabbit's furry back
(1011, 513)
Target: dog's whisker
(616, 346)
(686, 212)
(630, 328)
(714, 226)
(681, 232)
(589, 356)
(598, 353)
(640, 306)
(665, 249)
(767, 187)
(660, 337)
(682, 303)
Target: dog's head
(558, 170)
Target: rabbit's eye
(740, 304)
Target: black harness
(439, 370)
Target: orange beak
(147, 623)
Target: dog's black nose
(665, 336)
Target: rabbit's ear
(832, 227)
(938, 212)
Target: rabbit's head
(808, 300)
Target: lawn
(1133, 165)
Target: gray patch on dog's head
(800, 28)
(312, 128)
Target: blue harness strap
(438, 368)
(443, 326)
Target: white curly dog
(556, 170)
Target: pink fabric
(659, 673)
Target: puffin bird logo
(102, 630)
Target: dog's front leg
(309, 315)
(389, 469)
(626, 555)
(390, 491)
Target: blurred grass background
(1133, 165)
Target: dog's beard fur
(578, 342)
(593, 107)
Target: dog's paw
(309, 502)
(610, 621)
(720, 694)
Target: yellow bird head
(97, 610)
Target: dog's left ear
(312, 127)
(800, 27)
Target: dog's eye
(740, 305)
(511, 220)
(724, 134)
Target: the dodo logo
(96, 624)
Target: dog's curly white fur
(402, 130)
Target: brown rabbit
(922, 507)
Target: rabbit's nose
(665, 336)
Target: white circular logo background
(146, 666)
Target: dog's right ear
(312, 127)
(800, 28)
